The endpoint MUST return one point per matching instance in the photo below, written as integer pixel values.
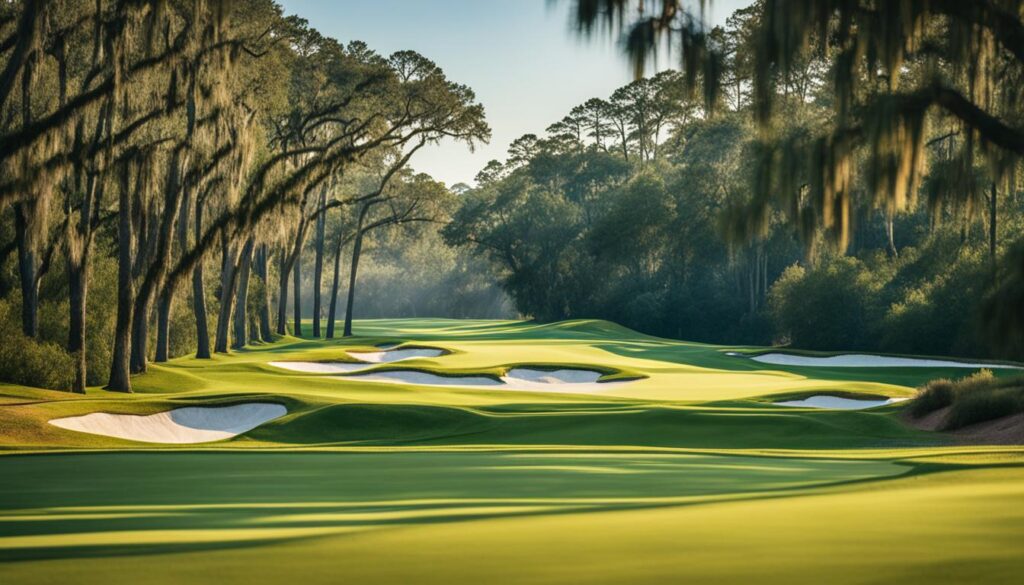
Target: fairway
(682, 469)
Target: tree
(895, 71)
(420, 199)
(162, 133)
(945, 57)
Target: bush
(828, 307)
(984, 405)
(938, 316)
(932, 396)
(977, 398)
(28, 362)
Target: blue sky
(519, 56)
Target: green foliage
(586, 229)
(825, 307)
(939, 314)
(925, 302)
(182, 327)
(985, 404)
(29, 362)
(1003, 308)
(101, 307)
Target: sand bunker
(368, 359)
(837, 403)
(425, 379)
(854, 360)
(386, 356)
(546, 377)
(523, 379)
(566, 381)
(192, 424)
(321, 367)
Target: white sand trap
(565, 381)
(368, 360)
(547, 377)
(837, 403)
(855, 360)
(387, 356)
(425, 379)
(321, 367)
(191, 424)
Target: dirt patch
(1008, 430)
(933, 421)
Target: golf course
(683, 468)
(517, 292)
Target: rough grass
(978, 398)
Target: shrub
(977, 398)
(828, 307)
(940, 316)
(931, 397)
(29, 362)
(985, 404)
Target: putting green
(686, 472)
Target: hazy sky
(519, 56)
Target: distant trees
(916, 93)
(675, 207)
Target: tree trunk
(159, 241)
(77, 293)
(332, 309)
(119, 378)
(992, 224)
(166, 299)
(242, 296)
(27, 266)
(199, 308)
(357, 249)
(163, 325)
(199, 296)
(27, 261)
(890, 234)
(264, 301)
(297, 297)
(318, 266)
(288, 262)
(282, 295)
(228, 278)
(140, 335)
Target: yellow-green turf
(686, 474)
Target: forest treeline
(664, 207)
(189, 178)
(172, 169)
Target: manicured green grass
(689, 473)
